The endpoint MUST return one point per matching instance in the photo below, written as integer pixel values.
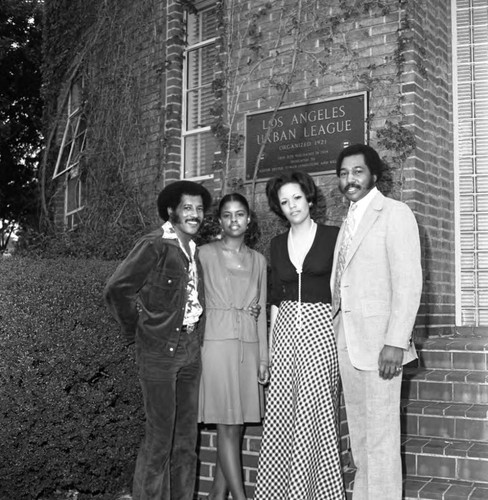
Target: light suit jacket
(381, 283)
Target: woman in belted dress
(235, 349)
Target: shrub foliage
(70, 403)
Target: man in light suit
(377, 284)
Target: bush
(71, 407)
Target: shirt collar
(169, 233)
(363, 203)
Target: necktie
(346, 243)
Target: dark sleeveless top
(317, 268)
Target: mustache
(193, 219)
(352, 185)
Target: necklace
(235, 257)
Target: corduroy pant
(166, 463)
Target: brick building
(157, 91)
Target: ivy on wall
(318, 46)
(95, 41)
(313, 44)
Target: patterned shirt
(193, 309)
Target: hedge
(70, 403)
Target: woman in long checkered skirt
(299, 457)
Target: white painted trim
(457, 213)
(206, 5)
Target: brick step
(456, 386)
(434, 468)
(452, 459)
(423, 488)
(454, 353)
(445, 420)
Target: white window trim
(65, 166)
(470, 283)
(185, 133)
(72, 173)
(75, 114)
(457, 215)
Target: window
(72, 147)
(470, 27)
(199, 143)
(73, 203)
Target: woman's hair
(233, 197)
(253, 232)
(305, 181)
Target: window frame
(65, 166)
(75, 114)
(73, 174)
(186, 132)
(470, 160)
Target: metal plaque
(306, 137)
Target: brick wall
(426, 87)
(145, 122)
(424, 95)
(422, 92)
(148, 60)
(207, 459)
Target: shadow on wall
(433, 303)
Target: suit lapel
(369, 218)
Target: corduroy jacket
(147, 294)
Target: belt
(189, 328)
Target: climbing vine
(278, 52)
(313, 44)
(115, 144)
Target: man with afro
(156, 295)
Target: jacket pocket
(163, 294)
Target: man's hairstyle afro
(171, 195)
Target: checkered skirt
(299, 457)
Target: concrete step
(455, 386)
(454, 459)
(454, 353)
(445, 420)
